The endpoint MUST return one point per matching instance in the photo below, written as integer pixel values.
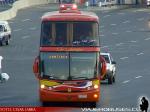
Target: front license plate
(82, 96)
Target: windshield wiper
(53, 77)
(50, 77)
(73, 77)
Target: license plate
(82, 96)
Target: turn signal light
(95, 86)
(95, 96)
(42, 86)
(74, 6)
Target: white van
(106, 2)
(5, 33)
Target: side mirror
(36, 67)
(113, 62)
(103, 67)
(4, 77)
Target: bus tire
(44, 104)
(93, 104)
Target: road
(124, 33)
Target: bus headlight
(42, 86)
(95, 86)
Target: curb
(12, 12)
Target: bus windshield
(69, 34)
(68, 66)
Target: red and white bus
(68, 66)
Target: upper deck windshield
(68, 66)
(69, 34)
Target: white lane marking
(140, 19)
(102, 26)
(25, 20)
(147, 39)
(138, 77)
(106, 16)
(24, 37)
(32, 28)
(119, 44)
(114, 33)
(141, 9)
(102, 35)
(128, 31)
(123, 58)
(133, 41)
(141, 29)
(126, 81)
(104, 46)
(140, 54)
(17, 30)
(126, 22)
(113, 24)
(121, 13)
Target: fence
(6, 2)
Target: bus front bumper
(88, 96)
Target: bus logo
(69, 90)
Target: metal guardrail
(6, 2)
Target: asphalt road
(124, 33)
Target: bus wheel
(93, 104)
(44, 104)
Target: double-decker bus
(68, 66)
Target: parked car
(5, 33)
(104, 3)
(110, 68)
(148, 2)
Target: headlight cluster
(108, 67)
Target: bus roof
(70, 16)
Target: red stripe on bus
(83, 49)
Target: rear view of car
(5, 33)
(110, 68)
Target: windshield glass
(106, 58)
(68, 66)
(55, 65)
(69, 34)
(83, 65)
(1, 28)
(53, 33)
(46, 34)
(85, 34)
